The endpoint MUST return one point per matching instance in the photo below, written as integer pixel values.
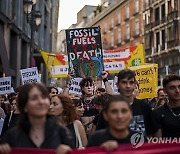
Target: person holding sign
(118, 114)
(88, 91)
(36, 129)
(142, 120)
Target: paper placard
(75, 88)
(5, 85)
(29, 75)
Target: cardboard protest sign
(5, 85)
(75, 88)
(57, 64)
(116, 60)
(147, 78)
(29, 75)
(85, 51)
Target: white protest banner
(113, 66)
(5, 85)
(29, 75)
(59, 69)
(75, 88)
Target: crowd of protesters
(39, 117)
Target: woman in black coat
(35, 129)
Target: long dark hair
(23, 99)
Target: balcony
(148, 51)
(136, 35)
(148, 26)
(126, 18)
(104, 32)
(173, 43)
(111, 28)
(172, 15)
(118, 43)
(135, 12)
(118, 23)
(127, 40)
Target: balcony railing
(148, 51)
(173, 43)
(172, 15)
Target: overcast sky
(69, 9)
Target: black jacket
(54, 136)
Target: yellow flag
(57, 64)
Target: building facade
(162, 34)
(121, 24)
(15, 37)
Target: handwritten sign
(147, 77)
(29, 75)
(75, 88)
(5, 85)
(85, 51)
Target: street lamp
(34, 19)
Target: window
(119, 36)
(105, 27)
(127, 32)
(156, 14)
(136, 6)
(119, 18)
(112, 22)
(163, 39)
(163, 11)
(157, 42)
(112, 40)
(127, 11)
(137, 27)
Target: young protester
(118, 114)
(79, 108)
(100, 91)
(87, 99)
(162, 98)
(52, 91)
(64, 109)
(99, 122)
(12, 117)
(142, 120)
(167, 116)
(2, 106)
(1, 122)
(35, 128)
